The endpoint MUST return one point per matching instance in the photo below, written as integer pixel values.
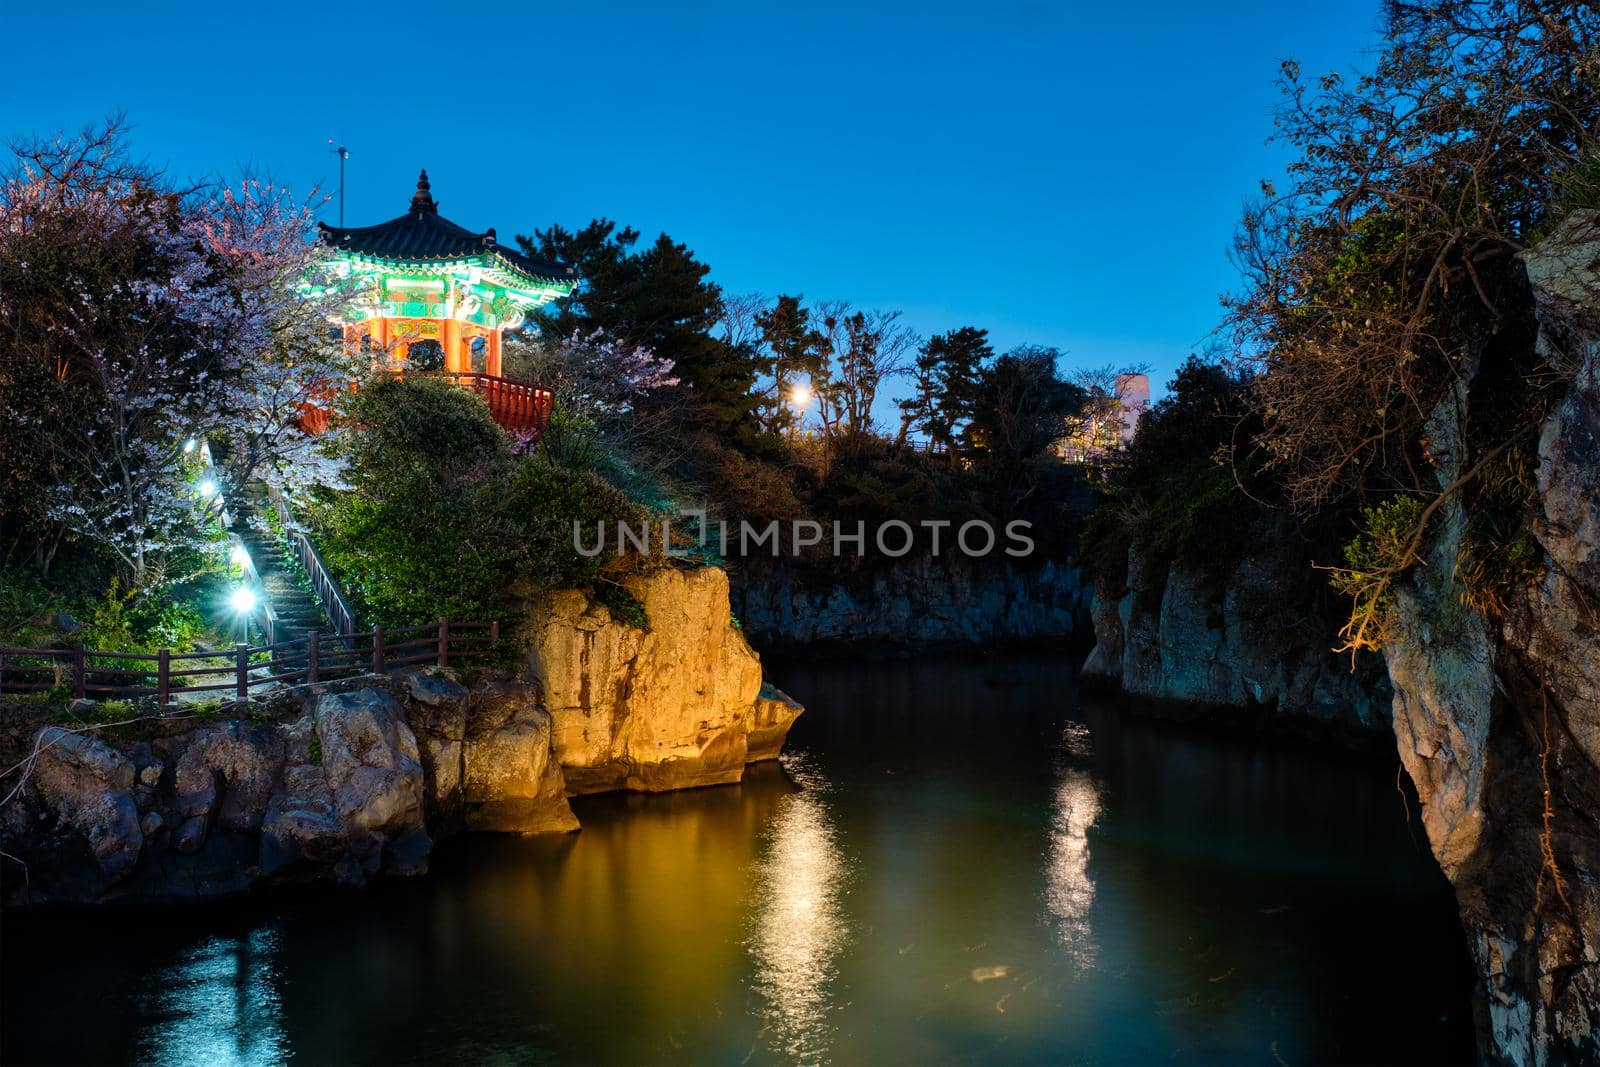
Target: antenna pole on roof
(343, 154)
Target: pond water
(958, 861)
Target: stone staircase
(283, 582)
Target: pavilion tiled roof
(421, 235)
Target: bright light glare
(240, 555)
(243, 600)
(189, 446)
(800, 395)
(208, 489)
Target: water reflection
(219, 1003)
(1069, 889)
(961, 878)
(799, 922)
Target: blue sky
(1061, 174)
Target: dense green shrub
(545, 503)
(104, 615)
(123, 622)
(443, 518)
(413, 537)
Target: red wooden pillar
(491, 360)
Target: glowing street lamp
(189, 446)
(208, 489)
(243, 600)
(799, 396)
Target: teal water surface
(958, 861)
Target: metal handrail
(334, 603)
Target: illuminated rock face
(487, 757)
(358, 783)
(774, 713)
(669, 708)
(1498, 724)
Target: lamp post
(343, 153)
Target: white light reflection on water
(218, 1004)
(799, 923)
(1069, 891)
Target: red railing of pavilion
(519, 407)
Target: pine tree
(657, 298)
(791, 350)
(946, 378)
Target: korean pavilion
(426, 282)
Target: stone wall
(927, 602)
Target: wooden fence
(309, 660)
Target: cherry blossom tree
(137, 317)
(593, 375)
(610, 396)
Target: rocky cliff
(338, 786)
(1498, 722)
(930, 601)
(1243, 643)
(673, 705)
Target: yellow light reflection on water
(799, 921)
(1069, 891)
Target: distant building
(1109, 422)
(1133, 391)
